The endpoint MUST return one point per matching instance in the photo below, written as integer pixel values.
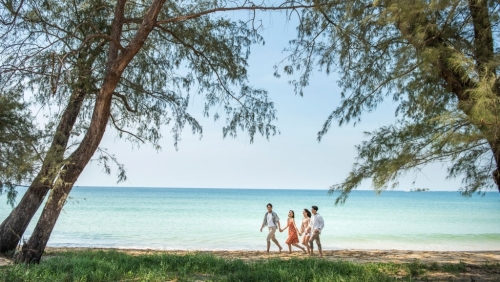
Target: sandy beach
(359, 256)
(476, 262)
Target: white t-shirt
(270, 222)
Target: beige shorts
(271, 235)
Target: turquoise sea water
(230, 219)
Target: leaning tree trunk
(46, 223)
(14, 226)
(32, 251)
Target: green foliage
(454, 268)
(91, 265)
(18, 144)
(438, 60)
(55, 51)
(416, 268)
(116, 266)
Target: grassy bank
(118, 266)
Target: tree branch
(125, 102)
(200, 54)
(206, 12)
(251, 8)
(124, 131)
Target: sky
(294, 159)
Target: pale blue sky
(293, 159)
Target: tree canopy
(56, 48)
(18, 145)
(438, 60)
(58, 53)
(130, 65)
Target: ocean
(230, 219)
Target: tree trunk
(46, 223)
(495, 149)
(32, 251)
(483, 54)
(14, 226)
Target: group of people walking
(310, 229)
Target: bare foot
(304, 250)
(280, 249)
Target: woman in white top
(305, 229)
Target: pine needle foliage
(437, 59)
(18, 145)
(58, 52)
(129, 65)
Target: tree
(18, 145)
(49, 70)
(439, 60)
(126, 73)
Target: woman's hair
(308, 213)
(293, 214)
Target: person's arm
(321, 223)
(281, 230)
(279, 227)
(263, 223)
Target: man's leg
(273, 238)
(313, 237)
(269, 236)
(318, 242)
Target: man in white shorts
(272, 221)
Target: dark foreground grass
(117, 266)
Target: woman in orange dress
(293, 238)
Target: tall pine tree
(127, 65)
(438, 60)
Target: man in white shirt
(272, 221)
(316, 225)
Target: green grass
(454, 268)
(117, 266)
